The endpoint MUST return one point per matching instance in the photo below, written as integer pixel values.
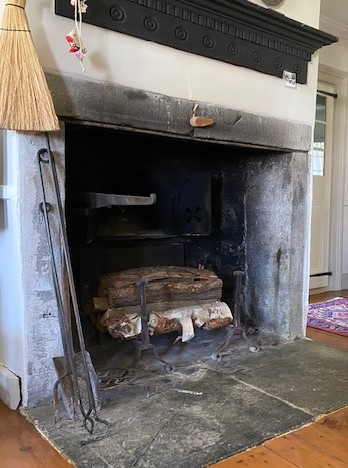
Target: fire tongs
(142, 343)
(75, 373)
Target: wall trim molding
(10, 392)
(233, 31)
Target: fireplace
(162, 202)
(167, 210)
(233, 196)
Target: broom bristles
(25, 99)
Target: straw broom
(25, 99)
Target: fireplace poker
(67, 367)
(236, 328)
(143, 343)
(89, 413)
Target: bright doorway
(322, 162)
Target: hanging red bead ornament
(74, 37)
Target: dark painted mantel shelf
(233, 31)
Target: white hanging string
(78, 27)
(74, 38)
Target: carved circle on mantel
(277, 62)
(297, 68)
(256, 56)
(117, 13)
(233, 49)
(151, 24)
(181, 33)
(208, 42)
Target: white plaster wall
(306, 12)
(12, 341)
(335, 55)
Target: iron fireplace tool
(77, 364)
(143, 342)
(63, 364)
(236, 328)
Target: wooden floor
(318, 445)
(321, 444)
(22, 446)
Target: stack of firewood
(177, 299)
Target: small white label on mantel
(289, 79)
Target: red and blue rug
(330, 316)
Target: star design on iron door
(194, 215)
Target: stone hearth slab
(310, 375)
(207, 411)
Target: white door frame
(321, 195)
(339, 151)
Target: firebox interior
(197, 218)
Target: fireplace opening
(145, 201)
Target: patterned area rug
(330, 316)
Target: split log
(166, 284)
(181, 317)
(101, 304)
(123, 278)
(216, 315)
(195, 291)
(121, 325)
(126, 323)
